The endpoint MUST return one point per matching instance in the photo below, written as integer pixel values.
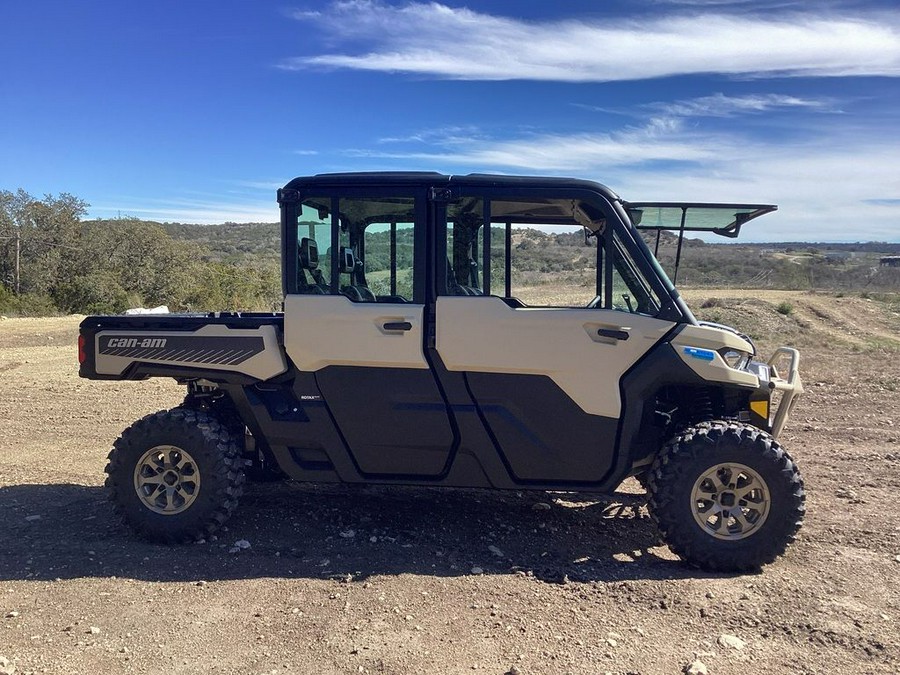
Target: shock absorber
(702, 405)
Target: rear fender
(213, 351)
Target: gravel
(809, 612)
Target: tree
(133, 259)
(39, 239)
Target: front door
(542, 343)
(357, 322)
(546, 380)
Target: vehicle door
(546, 338)
(355, 318)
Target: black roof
(433, 178)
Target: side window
(372, 257)
(388, 264)
(465, 252)
(553, 265)
(314, 247)
(543, 253)
(539, 254)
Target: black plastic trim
(395, 421)
(542, 434)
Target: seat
(453, 286)
(366, 293)
(308, 255)
(456, 288)
(350, 264)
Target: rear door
(360, 329)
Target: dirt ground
(401, 580)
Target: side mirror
(636, 215)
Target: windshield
(721, 219)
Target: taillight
(81, 354)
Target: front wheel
(175, 475)
(726, 496)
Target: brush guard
(791, 387)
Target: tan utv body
(424, 341)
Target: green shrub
(27, 304)
(785, 308)
(230, 287)
(97, 293)
(6, 300)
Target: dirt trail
(850, 320)
(341, 580)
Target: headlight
(734, 359)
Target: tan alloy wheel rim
(166, 480)
(730, 501)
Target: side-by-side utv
(430, 337)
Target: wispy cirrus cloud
(553, 152)
(448, 135)
(883, 202)
(190, 210)
(720, 105)
(664, 136)
(659, 140)
(458, 43)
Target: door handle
(612, 333)
(397, 325)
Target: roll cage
(440, 204)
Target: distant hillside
(232, 242)
(788, 265)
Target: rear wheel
(726, 496)
(175, 475)
(258, 466)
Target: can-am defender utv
(431, 335)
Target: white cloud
(720, 105)
(180, 210)
(457, 43)
(660, 139)
(267, 185)
(450, 135)
(823, 192)
(840, 185)
(835, 181)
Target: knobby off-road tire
(726, 496)
(255, 469)
(643, 480)
(176, 475)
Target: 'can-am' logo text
(134, 342)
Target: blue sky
(197, 111)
